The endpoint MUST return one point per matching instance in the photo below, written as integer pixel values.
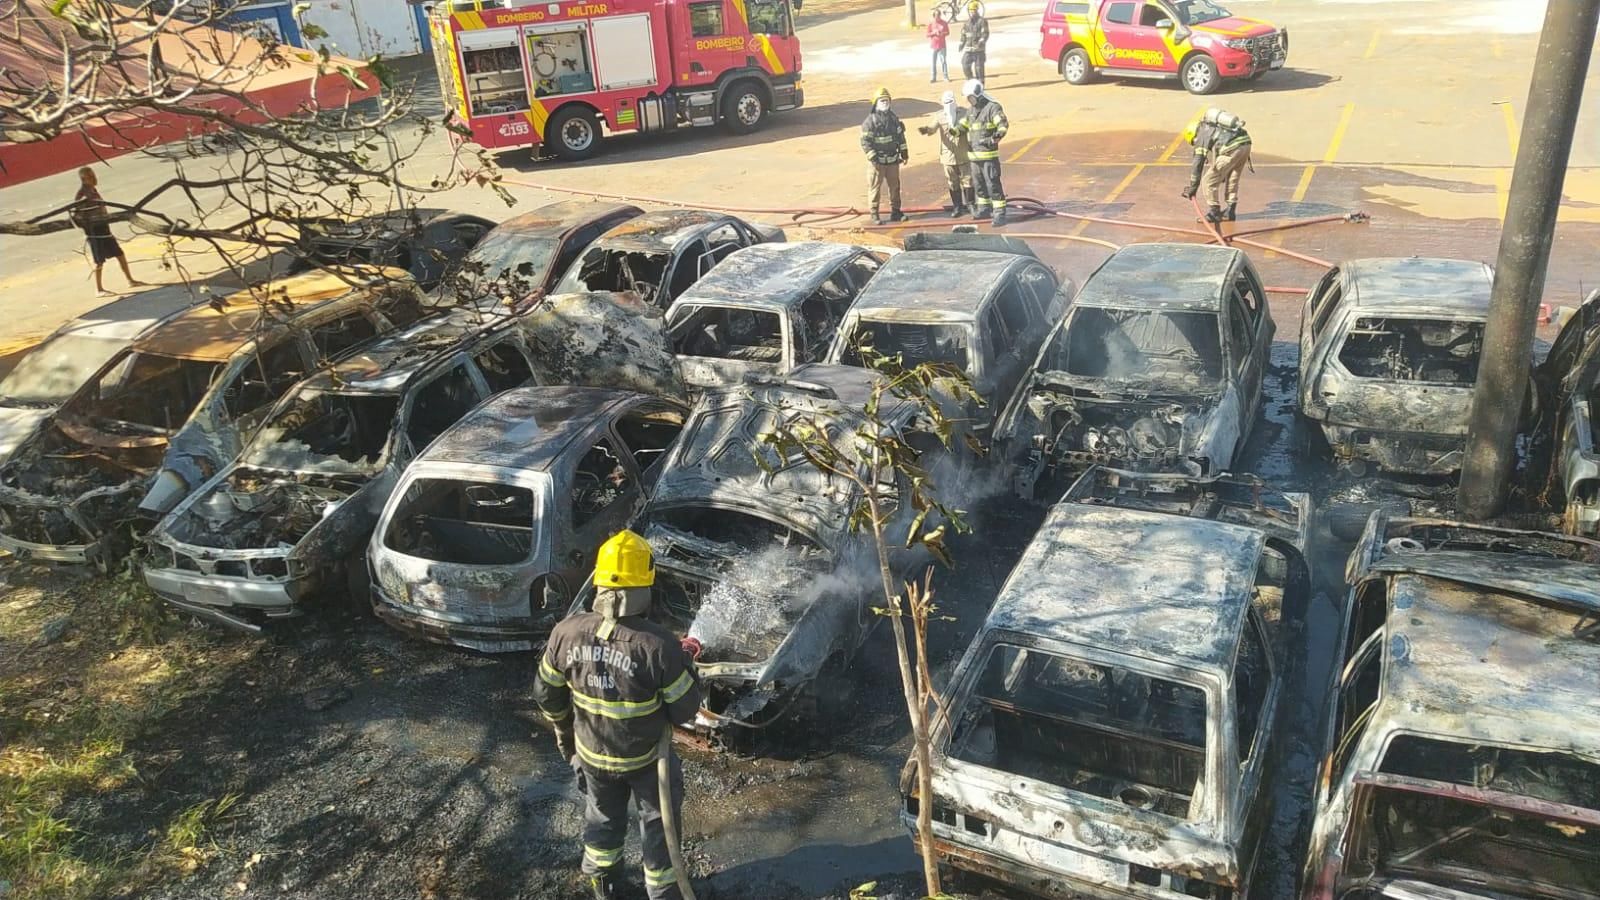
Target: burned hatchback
(492, 529)
(1110, 736)
(1462, 742)
(164, 414)
(292, 515)
(1570, 381)
(1389, 352)
(766, 309)
(756, 560)
(1157, 367)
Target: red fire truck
(520, 73)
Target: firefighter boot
(603, 886)
(896, 215)
(1214, 215)
(1231, 213)
(876, 219)
(981, 211)
(958, 208)
(999, 220)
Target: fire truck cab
(559, 74)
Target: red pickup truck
(1196, 41)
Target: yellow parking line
(1502, 190)
(1123, 184)
(1025, 148)
(1372, 45)
(1508, 113)
(1305, 183)
(1171, 149)
(1338, 133)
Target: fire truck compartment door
(624, 51)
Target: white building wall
(363, 28)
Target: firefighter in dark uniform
(609, 682)
(986, 126)
(974, 43)
(1221, 153)
(883, 140)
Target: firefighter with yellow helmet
(1221, 153)
(609, 682)
(974, 43)
(883, 140)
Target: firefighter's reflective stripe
(549, 673)
(614, 763)
(603, 859)
(675, 691)
(998, 204)
(662, 878)
(985, 154)
(615, 709)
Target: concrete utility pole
(911, 13)
(1548, 124)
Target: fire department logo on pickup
(514, 129)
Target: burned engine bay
(74, 483)
(260, 510)
(1081, 428)
(1437, 351)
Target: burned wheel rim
(748, 109)
(577, 134)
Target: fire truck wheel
(743, 107)
(573, 134)
(1199, 74)
(1076, 68)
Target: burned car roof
(935, 284)
(1147, 583)
(556, 218)
(768, 275)
(212, 335)
(1188, 276)
(387, 364)
(525, 428)
(1453, 648)
(1417, 283)
(661, 230)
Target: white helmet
(972, 88)
(947, 98)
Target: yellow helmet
(972, 5)
(1190, 130)
(882, 94)
(624, 561)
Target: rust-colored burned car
(1570, 381)
(757, 560)
(658, 255)
(166, 413)
(492, 530)
(1462, 742)
(1157, 367)
(766, 310)
(1109, 732)
(292, 515)
(1389, 352)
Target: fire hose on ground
(669, 817)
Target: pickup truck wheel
(573, 134)
(1200, 75)
(1076, 68)
(743, 108)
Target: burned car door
(504, 365)
(601, 495)
(1569, 385)
(438, 404)
(647, 433)
(1250, 301)
(443, 244)
(681, 275)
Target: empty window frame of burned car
(1157, 367)
(1138, 705)
(494, 528)
(294, 513)
(1389, 352)
(1569, 433)
(659, 255)
(165, 414)
(1458, 750)
(523, 258)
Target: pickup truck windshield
(1198, 12)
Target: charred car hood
(1128, 422)
(791, 496)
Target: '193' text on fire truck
(522, 73)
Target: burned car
(766, 309)
(660, 254)
(1110, 736)
(428, 243)
(756, 560)
(1461, 738)
(491, 531)
(1569, 380)
(519, 262)
(1157, 367)
(166, 413)
(979, 303)
(1389, 352)
(293, 514)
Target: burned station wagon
(493, 529)
(978, 303)
(1570, 381)
(1157, 367)
(766, 309)
(660, 254)
(165, 414)
(1462, 742)
(757, 561)
(1109, 731)
(292, 515)
(1389, 352)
